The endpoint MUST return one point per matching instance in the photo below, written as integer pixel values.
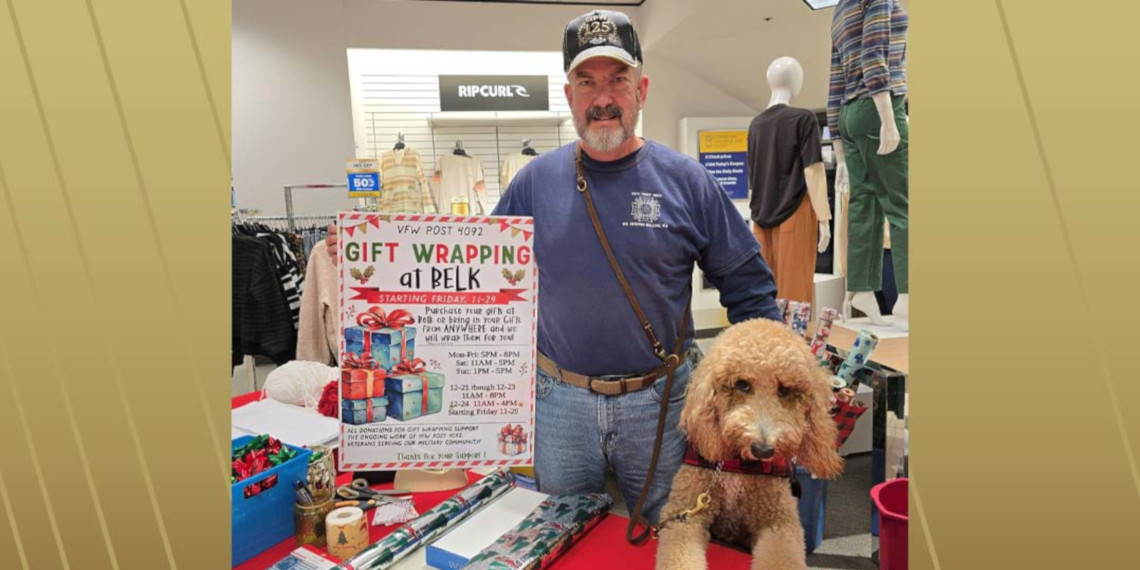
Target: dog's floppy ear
(818, 452)
(700, 398)
(699, 416)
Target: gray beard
(607, 140)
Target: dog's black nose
(761, 451)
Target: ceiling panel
(601, 3)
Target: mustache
(610, 111)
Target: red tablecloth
(599, 548)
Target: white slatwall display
(397, 92)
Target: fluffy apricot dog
(758, 396)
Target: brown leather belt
(603, 386)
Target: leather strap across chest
(669, 361)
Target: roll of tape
(346, 530)
(837, 383)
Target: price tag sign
(363, 178)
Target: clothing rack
(290, 216)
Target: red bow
(375, 319)
(414, 367)
(365, 361)
(515, 434)
(328, 403)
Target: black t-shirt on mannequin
(782, 141)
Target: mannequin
(789, 185)
(866, 115)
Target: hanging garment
(878, 190)
(404, 188)
(782, 142)
(868, 53)
(289, 271)
(512, 164)
(317, 338)
(461, 177)
(261, 323)
(790, 251)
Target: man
(661, 212)
(600, 383)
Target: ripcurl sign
(494, 93)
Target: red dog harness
(778, 466)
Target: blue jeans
(580, 434)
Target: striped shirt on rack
(404, 187)
(868, 53)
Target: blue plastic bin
(264, 519)
(813, 505)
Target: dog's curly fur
(759, 387)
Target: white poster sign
(437, 341)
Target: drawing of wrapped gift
(361, 378)
(364, 411)
(512, 440)
(412, 391)
(387, 338)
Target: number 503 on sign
(363, 178)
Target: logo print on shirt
(646, 209)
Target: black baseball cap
(605, 33)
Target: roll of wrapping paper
(782, 307)
(798, 317)
(543, 535)
(346, 532)
(858, 357)
(823, 332)
(425, 528)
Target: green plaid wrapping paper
(544, 535)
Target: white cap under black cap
(606, 33)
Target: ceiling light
(820, 4)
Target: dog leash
(703, 502)
(705, 499)
(670, 361)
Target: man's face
(605, 97)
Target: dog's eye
(743, 386)
(782, 391)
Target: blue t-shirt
(662, 212)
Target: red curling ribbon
(375, 319)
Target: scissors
(359, 490)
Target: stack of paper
(455, 548)
(291, 424)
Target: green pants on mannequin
(878, 188)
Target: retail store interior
(318, 84)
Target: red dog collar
(778, 466)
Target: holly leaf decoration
(355, 273)
(520, 274)
(369, 271)
(507, 274)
